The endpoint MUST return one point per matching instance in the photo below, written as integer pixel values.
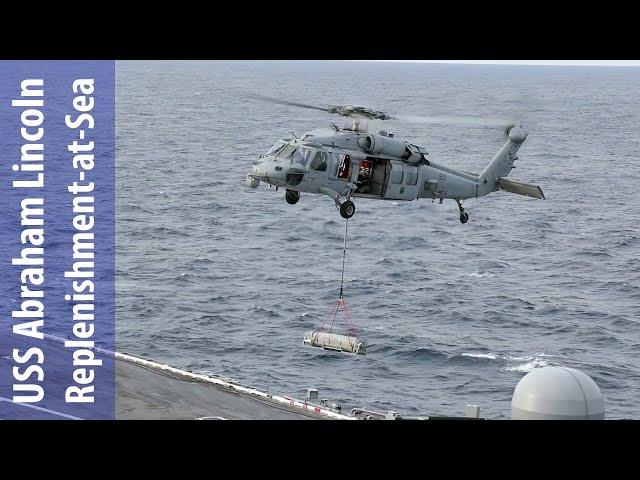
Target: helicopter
(351, 162)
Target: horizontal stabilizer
(520, 188)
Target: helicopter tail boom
(502, 163)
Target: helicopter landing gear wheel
(347, 209)
(464, 216)
(292, 197)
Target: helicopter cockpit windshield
(276, 149)
(310, 158)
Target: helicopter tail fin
(502, 163)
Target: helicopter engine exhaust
(379, 144)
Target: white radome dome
(557, 393)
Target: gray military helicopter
(350, 162)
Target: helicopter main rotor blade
(462, 120)
(342, 110)
(363, 112)
(279, 101)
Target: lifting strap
(344, 254)
(341, 303)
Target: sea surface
(221, 279)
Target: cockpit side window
(302, 155)
(319, 162)
(308, 155)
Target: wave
(527, 367)
(265, 311)
(489, 356)
(513, 363)
(421, 353)
(479, 274)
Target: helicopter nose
(279, 175)
(274, 174)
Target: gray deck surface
(145, 393)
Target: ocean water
(217, 278)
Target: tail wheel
(292, 197)
(464, 217)
(347, 209)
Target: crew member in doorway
(364, 175)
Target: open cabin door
(372, 177)
(343, 172)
